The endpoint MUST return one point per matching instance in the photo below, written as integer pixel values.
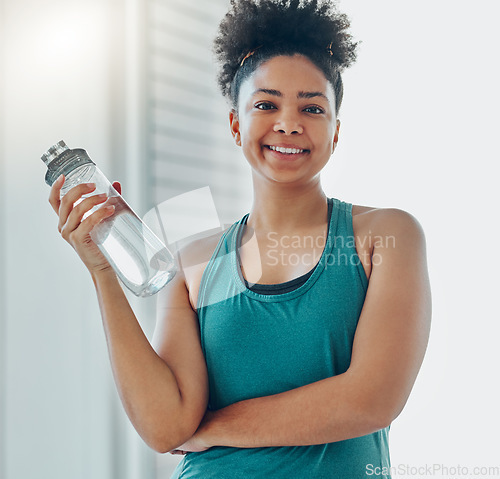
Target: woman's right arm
(164, 389)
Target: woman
(287, 344)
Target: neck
(287, 209)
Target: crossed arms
(389, 346)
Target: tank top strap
(344, 251)
(219, 266)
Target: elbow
(383, 421)
(162, 448)
(383, 415)
(176, 430)
(372, 415)
(372, 421)
(162, 443)
(165, 441)
(373, 406)
(166, 438)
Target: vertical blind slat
(190, 143)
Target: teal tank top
(262, 344)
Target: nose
(288, 123)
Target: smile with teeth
(287, 151)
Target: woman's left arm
(388, 350)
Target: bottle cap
(61, 160)
(53, 152)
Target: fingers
(76, 214)
(55, 193)
(177, 452)
(66, 204)
(70, 215)
(85, 227)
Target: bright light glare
(123, 261)
(69, 34)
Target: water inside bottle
(132, 247)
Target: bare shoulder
(386, 220)
(193, 257)
(378, 230)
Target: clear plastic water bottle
(141, 261)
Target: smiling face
(286, 122)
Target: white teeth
(288, 151)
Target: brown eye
(265, 106)
(314, 109)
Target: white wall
(3, 253)
(419, 132)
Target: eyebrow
(300, 94)
(268, 91)
(311, 94)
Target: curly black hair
(254, 31)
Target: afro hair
(254, 31)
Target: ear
(336, 136)
(234, 124)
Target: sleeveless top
(259, 344)
(281, 287)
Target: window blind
(189, 142)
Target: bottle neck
(65, 163)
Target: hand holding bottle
(81, 196)
(77, 231)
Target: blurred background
(133, 82)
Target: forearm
(146, 385)
(325, 411)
